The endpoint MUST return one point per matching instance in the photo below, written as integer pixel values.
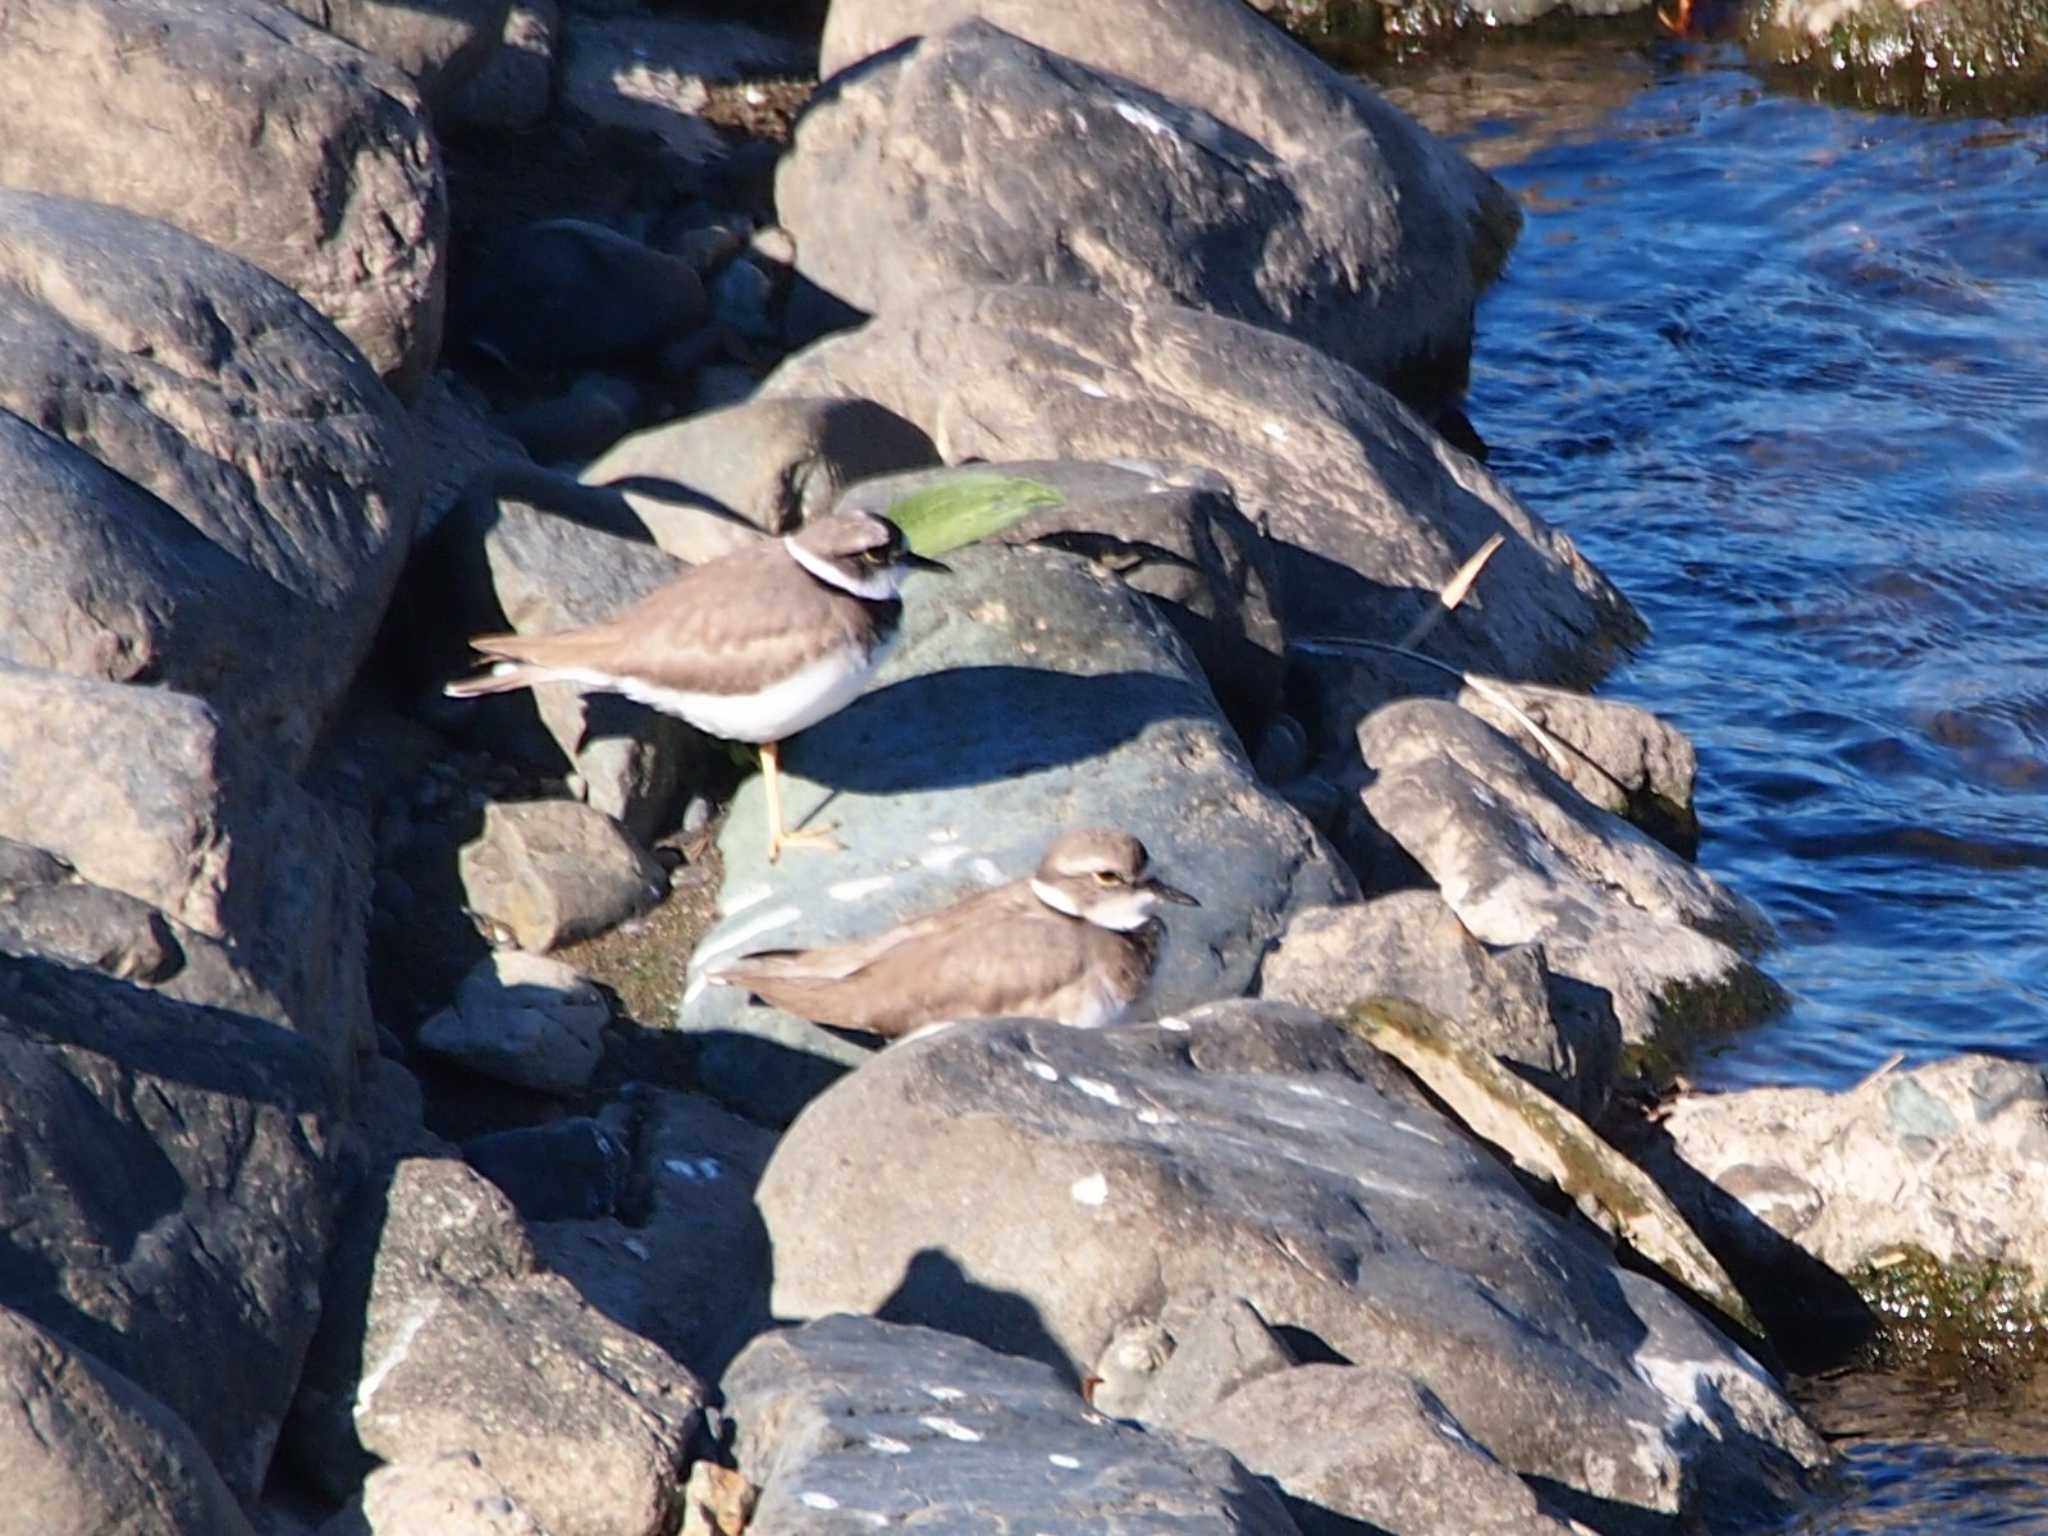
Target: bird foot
(813, 839)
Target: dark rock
(849, 1424)
(439, 43)
(1172, 533)
(1261, 1152)
(83, 1449)
(90, 926)
(525, 1020)
(1521, 857)
(515, 86)
(581, 422)
(1031, 693)
(1411, 945)
(569, 1170)
(553, 871)
(259, 486)
(294, 150)
(461, 444)
(1370, 511)
(1165, 1370)
(1384, 235)
(741, 296)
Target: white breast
(808, 695)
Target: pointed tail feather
(501, 677)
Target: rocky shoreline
(377, 1156)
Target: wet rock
(849, 1422)
(123, 1105)
(1031, 693)
(1521, 857)
(1370, 511)
(523, 1019)
(83, 1449)
(294, 150)
(1350, 1444)
(1174, 534)
(1261, 1152)
(553, 871)
(570, 1169)
(516, 84)
(1984, 56)
(774, 464)
(442, 1336)
(691, 1272)
(451, 1495)
(1411, 945)
(440, 44)
(1413, 227)
(205, 487)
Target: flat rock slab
(294, 150)
(1379, 218)
(1522, 857)
(850, 1424)
(1031, 693)
(1370, 510)
(202, 483)
(1045, 1187)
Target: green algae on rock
(1970, 56)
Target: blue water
(1781, 369)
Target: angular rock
(294, 150)
(440, 44)
(169, 1198)
(553, 871)
(1521, 857)
(1371, 512)
(1175, 535)
(259, 486)
(567, 1169)
(1349, 1444)
(450, 1495)
(1167, 1370)
(1407, 231)
(1411, 945)
(1260, 1152)
(774, 463)
(83, 1449)
(516, 84)
(90, 926)
(1031, 692)
(849, 1424)
(523, 1019)
(580, 421)
(461, 445)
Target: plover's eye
(1105, 877)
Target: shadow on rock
(977, 725)
(937, 1293)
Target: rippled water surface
(1782, 370)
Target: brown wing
(720, 627)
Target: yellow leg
(779, 834)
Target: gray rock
(441, 1335)
(572, 1168)
(1261, 1152)
(1521, 857)
(516, 84)
(692, 1273)
(523, 1019)
(461, 444)
(1411, 945)
(450, 1495)
(773, 463)
(741, 296)
(551, 872)
(580, 422)
(295, 151)
(1405, 229)
(1371, 511)
(439, 43)
(849, 1423)
(242, 891)
(259, 486)
(721, 385)
(151, 1148)
(1174, 534)
(1168, 1369)
(83, 1449)
(1031, 693)
(1350, 1444)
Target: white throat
(1123, 912)
(876, 586)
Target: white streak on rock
(778, 918)
(698, 1170)
(408, 1330)
(854, 890)
(1044, 1069)
(1092, 1190)
(811, 1499)
(944, 1394)
(1071, 1463)
(1095, 1088)
(952, 1429)
(888, 1445)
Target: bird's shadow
(983, 724)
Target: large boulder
(439, 43)
(200, 482)
(850, 1424)
(1376, 216)
(1522, 857)
(1371, 512)
(1265, 1153)
(167, 1169)
(249, 128)
(1032, 692)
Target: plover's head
(857, 552)
(1102, 876)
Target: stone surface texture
(523, 1019)
(515, 85)
(440, 44)
(294, 150)
(555, 871)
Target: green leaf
(963, 508)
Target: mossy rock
(1959, 1320)
(1963, 56)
